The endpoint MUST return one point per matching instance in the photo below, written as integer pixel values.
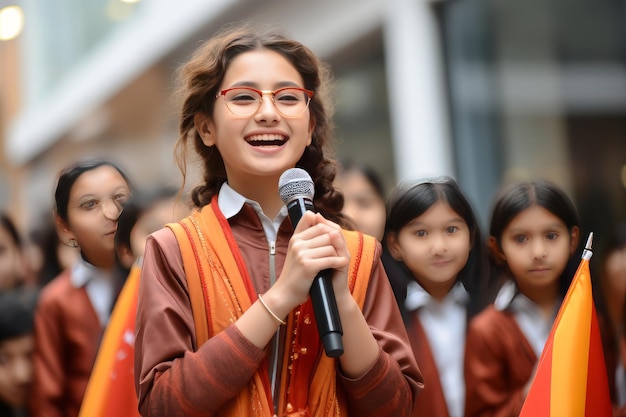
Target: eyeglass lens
(288, 101)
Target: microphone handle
(322, 293)
(326, 314)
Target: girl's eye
(288, 98)
(243, 98)
(89, 204)
(421, 233)
(551, 236)
(520, 239)
(452, 229)
(121, 198)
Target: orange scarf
(221, 291)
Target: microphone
(296, 189)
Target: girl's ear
(574, 238)
(204, 127)
(495, 251)
(64, 232)
(311, 129)
(394, 247)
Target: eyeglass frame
(262, 93)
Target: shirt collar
(505, 296)
(510, 298)
(231, 202)
(83, 272)
(417, 297)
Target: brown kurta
(176, 377)
(499, 363)
(67, 335)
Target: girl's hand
(316, 244)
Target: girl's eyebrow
(90, 196)
(253, 84)
(548, 227)
(417, 222)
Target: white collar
(510, 298)
(417, 297)
(506, 296)
(83, 272)
(231, 202)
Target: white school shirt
(98, 284)
(230, 203)
(529, 317)
(445, 325)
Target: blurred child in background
(13, 268)
(534, 234)
(48, 254)
(432, 231)
(111, 388)
(74, 307)
(17, 307)
(610, 299)
(364, 197)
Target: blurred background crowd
(485, 91)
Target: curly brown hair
(199, 80)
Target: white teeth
(266, 137)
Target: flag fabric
(571, 378)
(111, 387)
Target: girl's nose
(267, 110)
(111, 209)
(23, 370)
(539, 249)
(439, 244)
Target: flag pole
(587, 253)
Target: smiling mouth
(266, 140)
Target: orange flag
(571, 375)
(111, 388)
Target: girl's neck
(106, 265)
(545, 298)
(437, 290)
(264, 192)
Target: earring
(73, 243)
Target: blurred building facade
(487, 91)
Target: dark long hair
(517, 197)
(7, 224)
(410, 200)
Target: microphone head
(295, 182)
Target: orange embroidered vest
(221, 290)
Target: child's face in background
(434, 247)
(536, 246)
(95, 204)
(155, 218)
(12, 266)
(615, 270)
(362, 203)
(16, 370)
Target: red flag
(111, 387)
(571, 375)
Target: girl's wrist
(277, 302)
